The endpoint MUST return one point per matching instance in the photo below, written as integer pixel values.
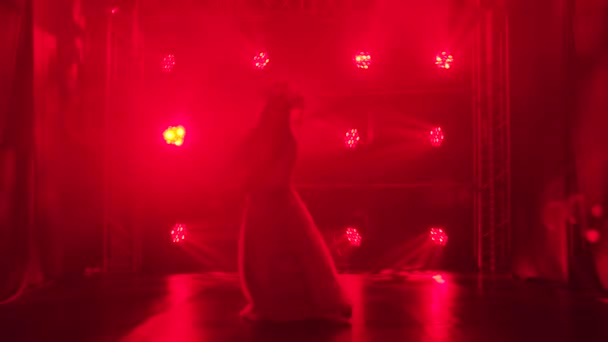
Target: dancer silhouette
(287, 272)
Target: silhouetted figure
(287, 272)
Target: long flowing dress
(287, 272)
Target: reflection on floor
(391, 307)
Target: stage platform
(411, 306)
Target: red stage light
(168, 63)
(178, 233)
(444, 60)
(353, 236)
(175, 135)
(261, 60)
(597, 211)
(352, 138)
(363, 60)
(592, 235)
(436, 136)
(438, 236)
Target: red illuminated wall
(214, 90)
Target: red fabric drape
(591, 36)
(559, 102)
(16, 113)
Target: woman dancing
(287, 272)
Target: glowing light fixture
(362, 60)
(178, 233)
(436, 136)
(353, 236)
(438, 236)
(175, 135)
(168, 63)
(444, 60)
(261, 60)
(352, 138)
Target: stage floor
(204, 307)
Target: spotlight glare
(436, 136)
(168, 63)
(362, 60)
(444, 60)
(352, 138)
(175, 135)
(592, 235)
(438, 236)
(261, 60)
(178, 233)
(353, 236)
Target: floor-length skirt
(287, 272)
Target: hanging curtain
(590, 36)
(17, 269)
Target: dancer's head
(283, 105)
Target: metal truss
(492, 161)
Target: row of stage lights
(437, 235)
(362, 60)
(175, 135)
(352, 138)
